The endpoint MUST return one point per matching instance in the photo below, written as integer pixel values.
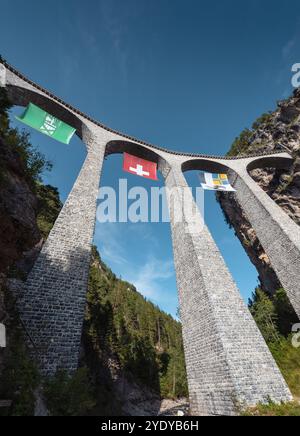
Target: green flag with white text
(40, 120)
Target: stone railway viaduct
(228, 362)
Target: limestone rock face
(280, 131)
(18, 207)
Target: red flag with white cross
(140, 167)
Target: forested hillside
(142, 341)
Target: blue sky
(188, 75)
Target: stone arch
(119, 146)
(276, 162)
(21, 96)
(212, 166)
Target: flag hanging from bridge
(140, 167)
(215, 182)
(47, 124)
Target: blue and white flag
(215, 182)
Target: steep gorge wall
(18, 210)
(275, 131)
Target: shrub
(69, 395)
(272, 409)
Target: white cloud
(149, 279)
(116, 29)
(145, 270)
(108, 237)
(144, 233)
(288, 48)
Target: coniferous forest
(146, 342)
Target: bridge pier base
(228, 362)
(52, 302)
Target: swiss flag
(140, 167)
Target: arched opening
(275, 162)
(23, 96)
(278, 177)
(204, 165)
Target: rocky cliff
(18, 210)
(276, 131)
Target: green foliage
(286, 316)
(34, 162)
(264, 119)
(5, 105)
(243, 141)
(49, 206)
(288, 360)
(272, 409)
(146, 341)
(275, 318)
(69, 395)
(173, 382)
(264, 313)
(20, 376)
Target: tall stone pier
(228, 363)
(53, 300)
